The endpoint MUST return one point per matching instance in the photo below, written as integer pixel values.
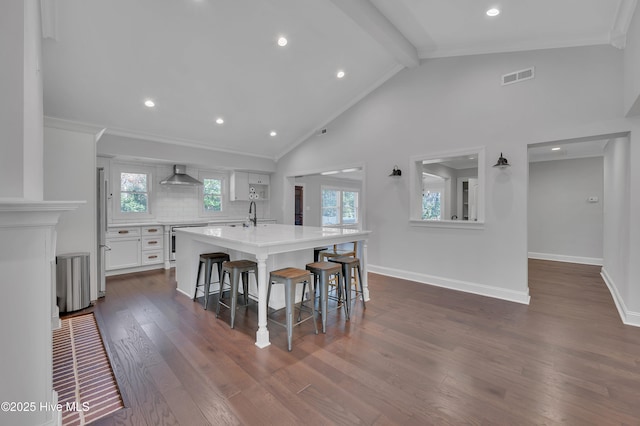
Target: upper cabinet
(249, 186)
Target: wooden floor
(418, 355)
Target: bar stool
(235, 270)
(290, 277)
(207, 260)
(322, 271)
(348, 263)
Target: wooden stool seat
(207, 260)
(236, 269)
(322, 271)
(290, 277)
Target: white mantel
(28, 306)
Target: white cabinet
(244, 184)
(239, 186)
(125, 253)
(258, 179)
(152, 245)
(134, 246)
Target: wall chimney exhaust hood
(180, 177)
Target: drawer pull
(123, 232)
(152, 230)
(152, 243)
(153, 257)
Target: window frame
(208, 174)
(341, 190)
(116, 195)
(415, 188)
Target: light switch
(592, 199)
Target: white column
(27, 230)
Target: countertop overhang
(273, 238)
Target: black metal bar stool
(235, 270)
(290, 277)
(322, 271)
(348, 263)
(207, 260)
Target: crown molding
(74, 126)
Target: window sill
(448, 224)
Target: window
(438, 199)
(339, 207)
(212, 195)
(132, 195)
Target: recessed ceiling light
(149, 103)
(340, 74)
(282, 41)
(273, 133)
(493, 12)
(220, 120)
(557, 148)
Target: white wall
(458, 103)
(632, 67)
(70, 174)
(141, 149)
(563, 225)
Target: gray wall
(455, 104)
(563, 225)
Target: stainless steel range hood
(180, 177)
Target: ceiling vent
(518, 76)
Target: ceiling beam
(371, 20)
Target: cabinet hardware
(152, 230)
(152, 242)
(123, 232)
(153, 257)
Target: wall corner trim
(628, 317)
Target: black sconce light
(396, 172)
(502, 163)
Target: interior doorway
(299, 205)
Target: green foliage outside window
(212, 195)
(431, 206)
(134, 197)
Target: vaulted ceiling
(203, 60)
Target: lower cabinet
(133, 247)
(124, 253)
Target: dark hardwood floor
(417, 355)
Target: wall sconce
(396, 172)
(502, 163)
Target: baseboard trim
(569, 259)
(628, 317)
(465, 286)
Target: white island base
(272, 246)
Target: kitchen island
(272, 245)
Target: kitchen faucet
(252, 209)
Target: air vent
(518, 76)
